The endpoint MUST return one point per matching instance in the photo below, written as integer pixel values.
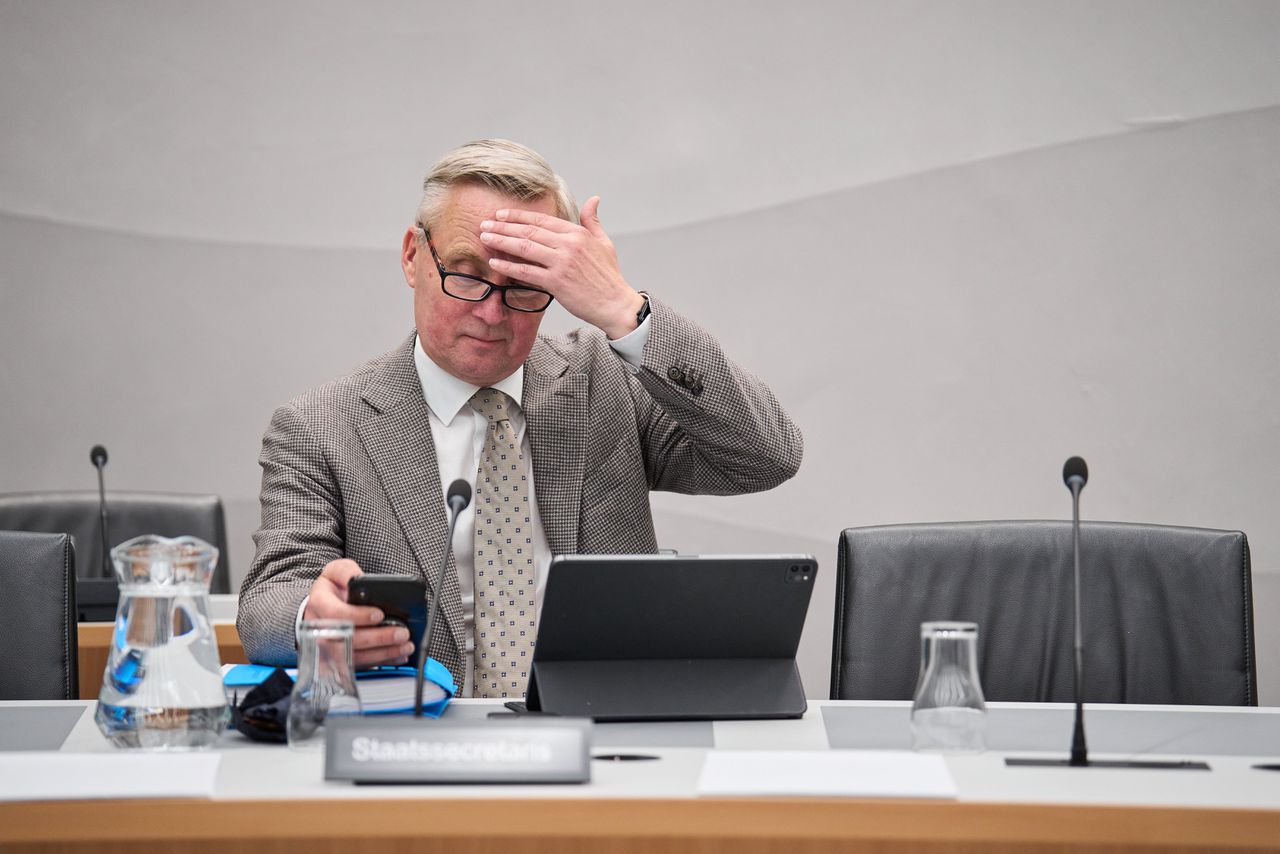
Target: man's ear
(409, 256)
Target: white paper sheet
(826, 773)
(49, 776)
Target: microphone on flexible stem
(1075, 474)
(457, 499)
(98, 456)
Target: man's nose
(492, 310)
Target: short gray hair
(500, 164)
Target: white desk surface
(250, 771)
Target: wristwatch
(644, 310)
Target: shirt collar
(446, 394)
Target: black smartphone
(403, 602)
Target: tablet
(672, 637)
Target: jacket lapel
(555, 405)
(398, 441)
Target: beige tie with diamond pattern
(504, 582)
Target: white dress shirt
(458, 432)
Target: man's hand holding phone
(372, 643)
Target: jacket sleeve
(301, 531)
(706, 425)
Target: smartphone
(403, 602)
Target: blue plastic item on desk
(383, 690)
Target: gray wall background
(961, 240)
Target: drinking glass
(949, 713)
(326, 684)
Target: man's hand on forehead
(574, 262)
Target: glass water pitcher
(162, 688)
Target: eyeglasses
(475, 289)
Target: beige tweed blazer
(349, 468)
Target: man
(565, 436)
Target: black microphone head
(98, 455)
(1075, 468)
(459, 493)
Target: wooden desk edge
(547, 824)
(99, 634)
(94, 641)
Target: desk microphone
(458, 497)
(98, 456)
(1075, 474)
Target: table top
(1231, 739)
(1232, 805)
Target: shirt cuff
(631, 346)
(297, 623)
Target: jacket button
(675, 374)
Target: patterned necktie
(504, 582)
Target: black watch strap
(644, 310)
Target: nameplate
(423, 750)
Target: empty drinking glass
(326, 685)
(949, 713)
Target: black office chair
(38, 617)
(129, 514)
(1167, 612)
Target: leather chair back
(1167, 613)
(129, 514)
(37, 617)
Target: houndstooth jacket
(349, 468)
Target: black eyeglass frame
(490, 286)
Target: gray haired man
(562, 438)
